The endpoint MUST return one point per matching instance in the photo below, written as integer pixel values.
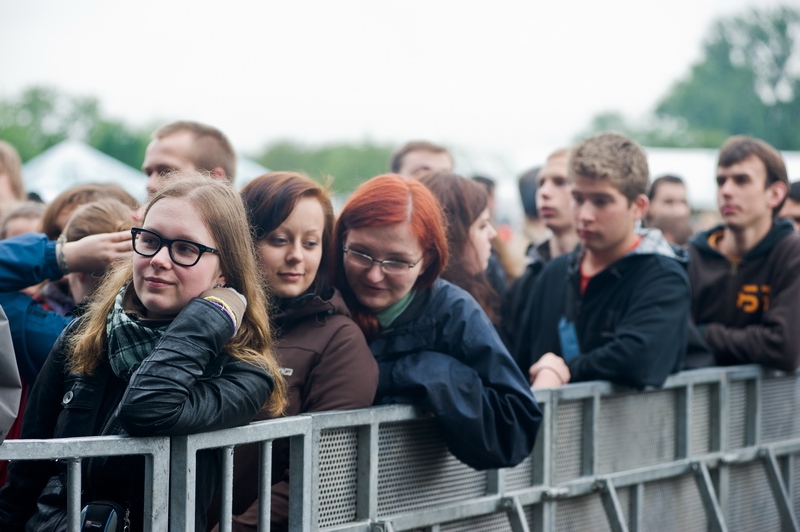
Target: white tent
(71, 163)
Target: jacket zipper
(732, 282)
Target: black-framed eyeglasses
(182, 252)
(392, 267)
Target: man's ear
(640, 205)
(219, 174)
(776, 193)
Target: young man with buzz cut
(745, 273)
(417, 157)
(616, 308)
(553, 199)
(186, 145)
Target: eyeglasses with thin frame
(182, 252)
(391, 267)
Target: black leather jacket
(187, 385)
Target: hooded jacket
(517, 308)
(632, 322)
(186, 385)
(747, 311)
(327, 365)
(444, 355)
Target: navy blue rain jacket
(444, 356)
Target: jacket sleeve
(27, 478)
(651, 337)
(775, 340)
(489, 416)
(34, 331)
(172, 393)
(26, 260)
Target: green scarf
(131, 337)
(387, 316)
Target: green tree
(41, 117)
(348, 165)
(747, 82)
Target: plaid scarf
(131, 338)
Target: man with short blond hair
(187, 145)
(744, 273)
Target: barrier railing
(714, 449)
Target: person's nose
(375, 273)
(492, 231)
(295, 253)
(161, 259)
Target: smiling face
(604, 218)
(742, 195)
(164, 287)
(372, 287)
(479, 246)
(291, 254)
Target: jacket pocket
(77, 403)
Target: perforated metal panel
(582, 513)
(337, 476)
(674, 504)
(700, 431)
(630, 436)
(751, 505)
(415, 469)
(568, 441)
(780, 398)
(738, 415)
(487, 523)
(521, 476)
(795, 483)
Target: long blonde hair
(222, 210)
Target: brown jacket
(327, 366)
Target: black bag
(105, 516)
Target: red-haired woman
(434, 345)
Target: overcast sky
(502, 78)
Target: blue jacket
(444, 355)
(27, 260)
(632, 322)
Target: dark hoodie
(327, 366)
(748, 311)
(632, 322)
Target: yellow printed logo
(753, 297)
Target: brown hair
(462, 200)
(210, 149)
(11, 164)
(740, 147)
(612, 157)
(29, 210)
(79, 195)
(396, 162)
(271, 198)
(391, 199)
(224, 216)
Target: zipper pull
(126, 527)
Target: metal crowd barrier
(714, 449)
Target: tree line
(746, 82)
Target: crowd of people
(210, 307)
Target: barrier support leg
(608, 494)
(516, 514)
(713, 509)
(779, 491)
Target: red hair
(391, 199)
